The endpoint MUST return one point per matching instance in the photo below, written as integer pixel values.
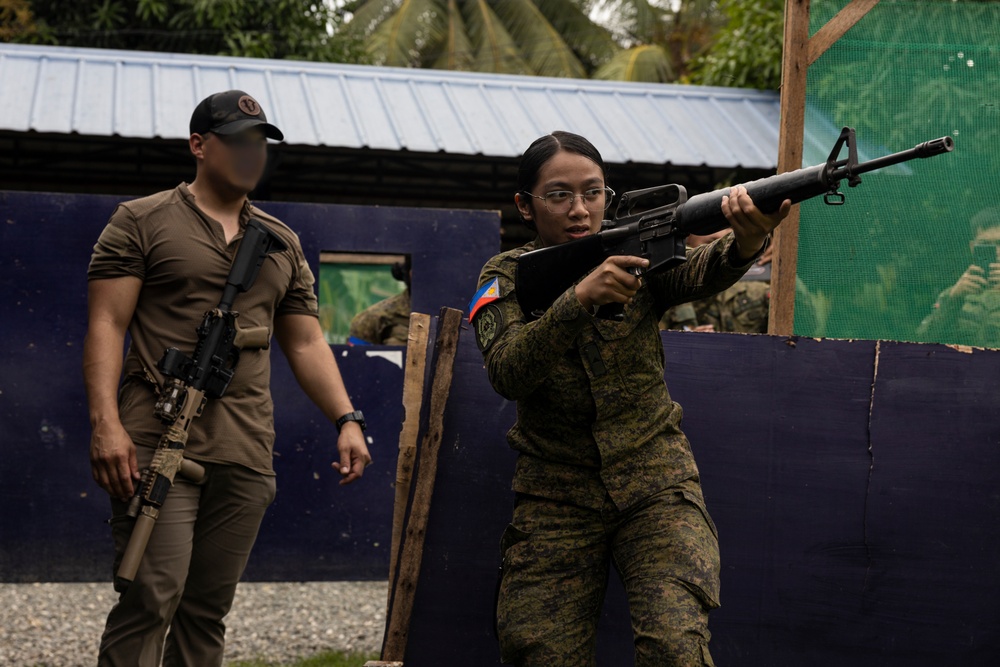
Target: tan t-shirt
(182, 258)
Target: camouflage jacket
(681, 317)
(741, 308)
(973, 319)
(384, 323)
(594, 417)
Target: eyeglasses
(561, 201)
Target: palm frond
(590, 41)
(649, 63)
(545, 51)
(369, 15)
(400, 40)
(497, 51)
(456, 51)
(636, 21)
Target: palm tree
(541, 37)
(631, 40)
(660, 39)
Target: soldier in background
(968, 312)
(388, 321)
(743, 307)
(680, 317)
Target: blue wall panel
(856, 528)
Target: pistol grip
(616, 311)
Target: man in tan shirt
(158, 266)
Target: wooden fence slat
(413, 396)
(411, 553)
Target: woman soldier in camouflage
(604, 474)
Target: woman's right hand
(611, 282)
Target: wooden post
(792, 129)
(799, 52)
(413, 395)
(401, 607)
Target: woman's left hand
(751, 226)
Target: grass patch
(325, 659)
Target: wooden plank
(793, 103)
(401, 607)
(835, 28)
(413, 396)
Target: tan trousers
(187, 578)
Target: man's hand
(312, 361)
(994, 279)
(113, 462)
(611, 282)
(354, 456)
(973, 281)
(110, 306)
(751, 226)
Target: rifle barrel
(922, 150)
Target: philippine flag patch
(487, 293)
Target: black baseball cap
(231, 112)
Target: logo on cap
(249, 106)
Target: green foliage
(302, 29)
(909, 71)
(16, 20)
(636, 40)
(662, 40)
(746, 52)
(541, 45)
(921, 72)
(497, 50)
(544, 37)
(592, 42)
(347, 289)
(639, 40)
(648, 62)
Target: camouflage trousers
(556, 559)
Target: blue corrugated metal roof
(139, 94)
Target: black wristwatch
(355, 416)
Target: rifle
(658, 233)
(190, 382)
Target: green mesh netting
(876, 267)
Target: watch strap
(355, 416)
